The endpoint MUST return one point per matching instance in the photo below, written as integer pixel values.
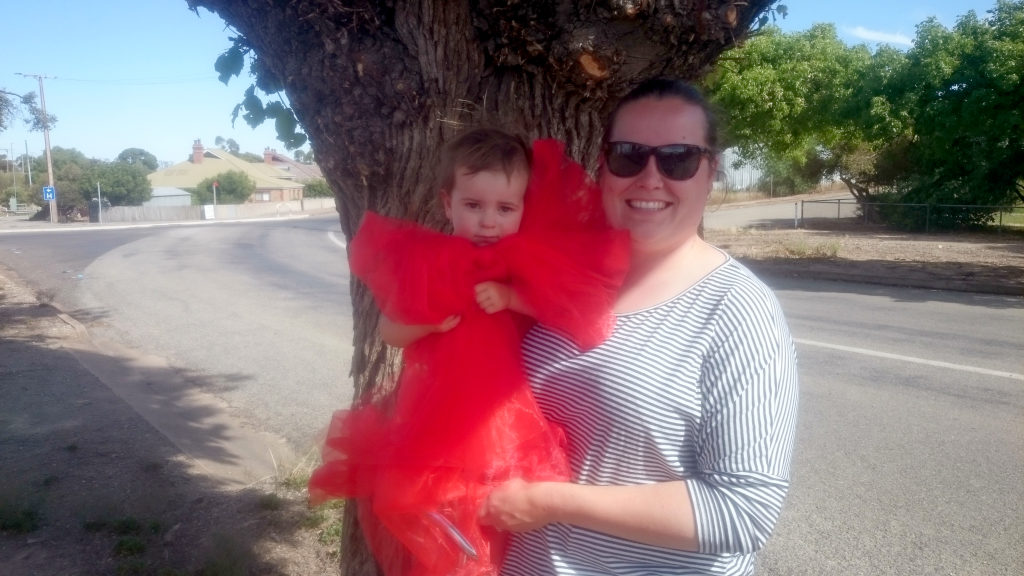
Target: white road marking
(334, 238)
(900, 357)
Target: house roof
(189, 174)
(161, 191)
(301, 172)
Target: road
(256, 313)
(910, 449)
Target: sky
(123, 74)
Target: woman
(681, 424)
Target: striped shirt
(701, 388)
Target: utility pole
(28, 163)
(46, 139)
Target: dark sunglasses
(675, 161)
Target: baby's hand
(493, 296)
(447, 324)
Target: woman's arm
(658, 514)
(731, 501)
(402, 335)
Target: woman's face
(661, 214)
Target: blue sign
(49, 193)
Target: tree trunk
(380, 86)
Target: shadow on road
(91, 487)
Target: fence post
(927, 216)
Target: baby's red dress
(463, 419)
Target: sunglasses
(675, 161)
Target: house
(272, 183)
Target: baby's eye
(472, 205)
(507, 209)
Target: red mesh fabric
(464, 419)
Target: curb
(831, 271)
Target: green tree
(965, 87)
(317, 189)
(228, 144)
(233, 187)
(122, 184)
(138, 157)
(12, 105)
(794, 105)
(250, 157)
(379, 86)
(939, 124)
(73, 179)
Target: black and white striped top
(702, 387)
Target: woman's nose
(650, 175)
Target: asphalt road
(256, 313)
(910, 450)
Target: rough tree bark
(379, 86)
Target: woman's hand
(515, 506)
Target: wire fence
(922, 215)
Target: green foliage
(787, 99)
(123, 184)
(317, 189)
(250, 157)
(140, 157)
(253, 110)
(938, 124)
(967, 86)
(72, 178)
(75, 178)
(233, 187)
(7, 109)
(12, 104)
(228, 144)
(14, 184)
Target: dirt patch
(847, 250)
(90, 488)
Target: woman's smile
(647, 205)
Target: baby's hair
(481, 149)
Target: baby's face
(485, 206)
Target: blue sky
(139, 74)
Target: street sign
(49, 194)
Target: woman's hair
(669, 88)
(482, 149)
